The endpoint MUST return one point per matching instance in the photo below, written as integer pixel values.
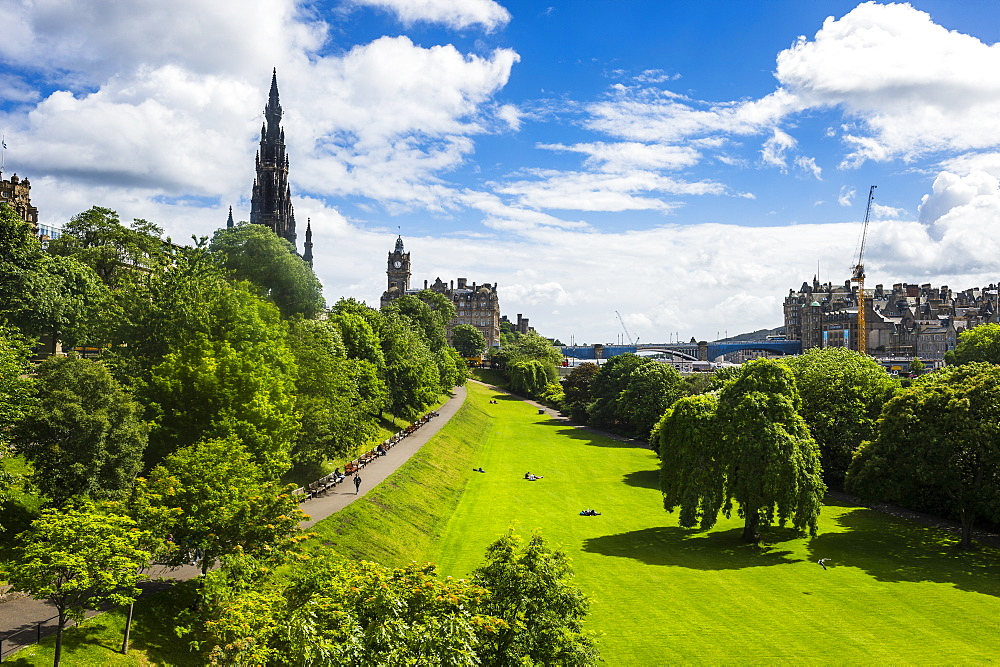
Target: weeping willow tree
(746, 445)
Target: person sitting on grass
(589, 512)
(478, 470)
(531, 478)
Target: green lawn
(896, 592)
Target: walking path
(21, 615)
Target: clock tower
(398, 272)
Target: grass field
(896, 592)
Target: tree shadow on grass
(588, 437)
(683, 547)
(892, 549)
(646, 479)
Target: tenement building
(904, 321)
(17, 193)
(475, 304)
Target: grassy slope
(402, 519)
(897, 592)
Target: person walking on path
(357, 484)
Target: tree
(335, 416)
(916, 366)
(256, 254)
(606, 389)
(341, 612)
(468, 340)
(980, 343)
(529, 364)
(692, 461)
(16, 391)
(773, 464)
(842, 395)
(42, 294)
(530, 588)
(228, 504)
(753, 447)
(209, 389)
(649, 391)
(97, 238)
(78, 559)
(576, 389)
(939, 438)
(412, 374)
(83, 435)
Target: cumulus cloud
(456, 14)
(912, 86)
(846, 196)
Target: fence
(27, 636)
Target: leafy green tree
(606, 389)
(576, 390)
(916, 366)
(83, 435)
(773, 464)
(412, 374)
(97, 238)
(228, 504)
(842, 395)
(748, 445)
(360, 613)
(530, 588)
(335, 415)
(16, 391)
(529, 364)
(693, 461)
(209, 389)
(468, 340)
(451, 367)
(42, 294)
(939, 438)
(256, 254)
(77, 559)
(980, 343)
(528, 377)
(650, 389)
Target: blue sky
(684, 163)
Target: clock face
(397, 264)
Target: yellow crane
(858, 276)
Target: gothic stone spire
(307, 255)
(271, 200)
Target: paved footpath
(22, 615)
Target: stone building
(475, 304)
(17, 193)
(904, 321)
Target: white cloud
(456, 14)
(774, 149)
(628, 155)
(581, 191)
(846, 196)
(808, 164)
(913, 86)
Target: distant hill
(760, 334)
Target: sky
(681, 163)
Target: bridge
(704, 351)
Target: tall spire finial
(307, 254)
(229, 223)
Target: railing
(33, 634)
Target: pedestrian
(357, 484)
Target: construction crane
(858, 276)
(627, 332)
